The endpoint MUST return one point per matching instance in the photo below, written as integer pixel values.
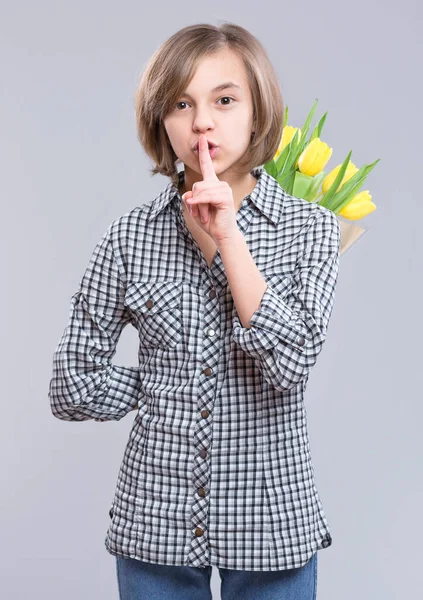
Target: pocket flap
(153, 296)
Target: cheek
(176, 146)
(171, 130)
(240, 129)
(175, 137)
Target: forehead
(218, 71)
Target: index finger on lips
(206, 162)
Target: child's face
(225, 116)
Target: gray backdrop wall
(71, 164)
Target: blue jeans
(138, 580)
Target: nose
(203, 121)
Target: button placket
(206, 394)
(203, 431)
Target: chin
(196, 167)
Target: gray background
(71, 164)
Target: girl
(230, 283)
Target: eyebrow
(222, 86)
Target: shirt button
(205, 413)
(212, 293)
(198, 531)
(201, 492)
(203, 453)
(208, 371)
(210, 332)
(149, 304)
(300, 341)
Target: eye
(223, 98)
(227, 98)
(182, 102)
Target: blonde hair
(169, 71)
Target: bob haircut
(171, 68)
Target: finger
(191, 206)
(185, 197)
(204, 212)
(207, 213)
(206, 162)
(199, 210)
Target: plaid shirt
(217, 468)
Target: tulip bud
(287, 135)
(314, 157)
(330, 177)
(358, 207)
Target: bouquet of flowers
(298, 168)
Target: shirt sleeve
(85, 384)
(290, 326)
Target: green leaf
(305, 127)
(291, 157)
(318, 129)
(298, 146)
(349, 196)
(285, 118)
(284, 160)
(350, 188)
(301, 185)
(270, 167)
(280, 161)
(287, 182)
(315, 186)
(327, 198)
(287, 161)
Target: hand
(211, 199)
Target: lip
(212, 151)
(196, 144)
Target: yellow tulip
(314, 157)
(330, 177)
(288, 133)
(358, 207)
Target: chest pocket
(156, 310)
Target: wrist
(228, 240)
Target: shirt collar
(267, 195)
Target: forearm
(85, 384)
(106, 394)
(289, 325)
(244, 278)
